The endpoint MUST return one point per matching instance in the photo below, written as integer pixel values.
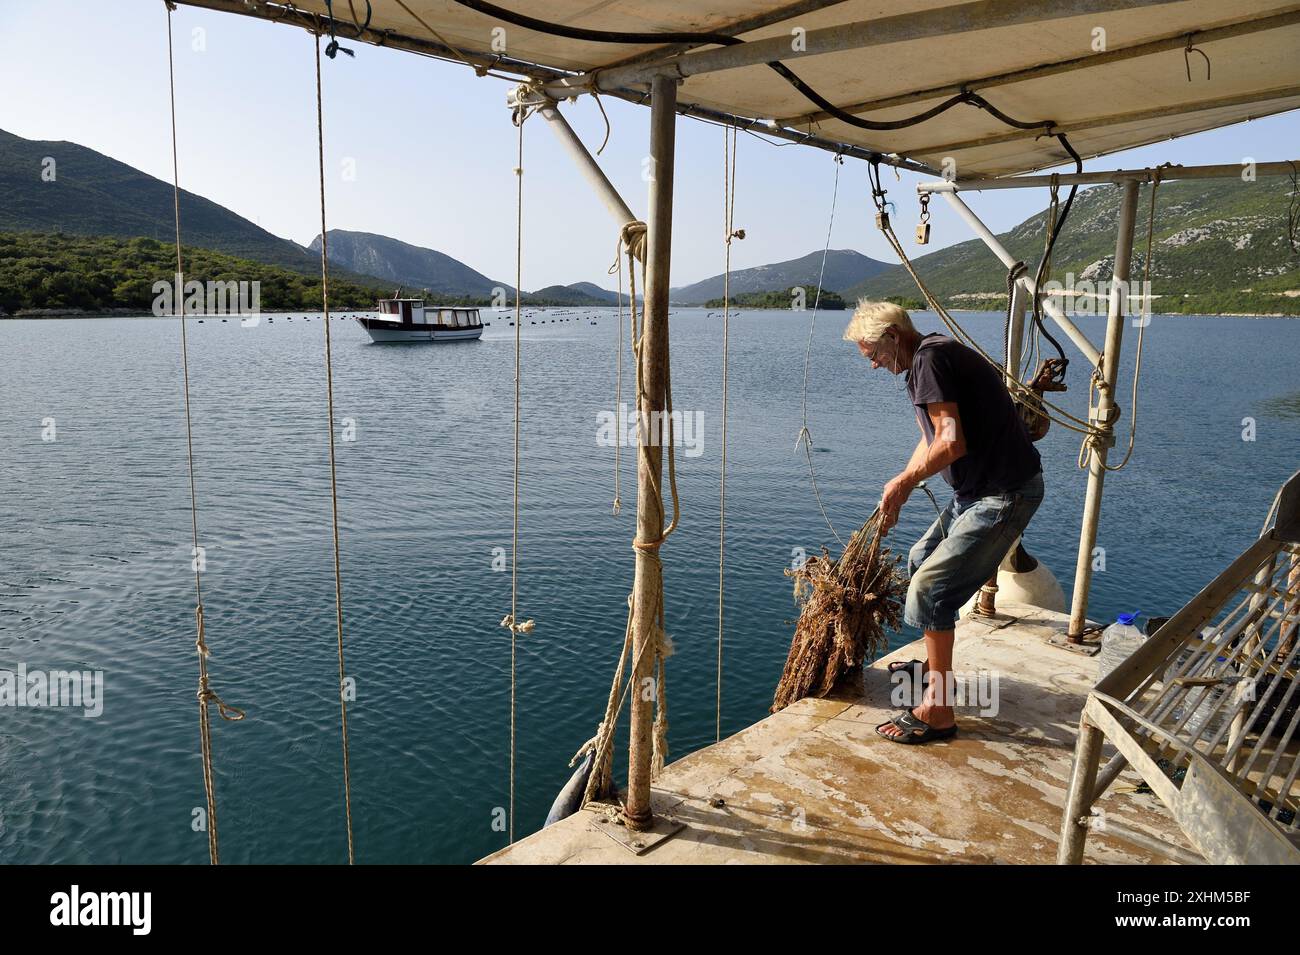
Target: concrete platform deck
(815, 783)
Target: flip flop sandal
(910, 685)
(916, 668)
(915, 731)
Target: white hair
(872, 319)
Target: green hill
(828, 302)
(1220, 246)
(92, 194)
(96, 273)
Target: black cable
(1039, 274)
(723, 39)
(595, 36)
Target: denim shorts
(962, 550)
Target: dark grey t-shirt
(999, 455)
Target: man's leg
(977, 540)
(919, 553)
(935, 708)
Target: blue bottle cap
(1127, 618)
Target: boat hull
(396, 332)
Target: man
(972, 434)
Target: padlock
(923, 233)
(882, 221)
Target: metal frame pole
(1105, 405)
(1116, 176)
(648, 584)
(1025, 281)
(1080, 795)
(1018, 306)
(590, 170)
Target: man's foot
(916, 726)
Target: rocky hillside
(1220, 246)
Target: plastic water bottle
(1118, 641)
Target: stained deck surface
(815, 783)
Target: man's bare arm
(949, 445)
(949, 442)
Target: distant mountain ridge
(405, 264)
(87, 193)
(417, 268)
(844, 268)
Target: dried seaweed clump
(848, 606)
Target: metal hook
(1187, 58)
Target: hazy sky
(433, 147)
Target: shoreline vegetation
(56, 275)
(42, 314)
(59, 275)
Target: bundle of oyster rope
(848, 607)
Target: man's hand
(892, 500)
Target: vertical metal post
(1105, 407)
(647, 587)
(1079, 797)
(986, 605)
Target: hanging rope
(658, 640)
(729, 137)
(631, 232)
(511, 621)
(805, 436)
(334, 491)
(632, 239)
(1142, 327)
(206, 694)
(1017, 269)
(600, 782)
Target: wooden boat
(411, 320)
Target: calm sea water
(95, 555)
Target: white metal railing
(1207, 710)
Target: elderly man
(972, 434)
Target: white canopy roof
(1110, 74)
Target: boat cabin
(413, 311)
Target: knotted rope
(205, 694)
(631, 239)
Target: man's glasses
(876, 354)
